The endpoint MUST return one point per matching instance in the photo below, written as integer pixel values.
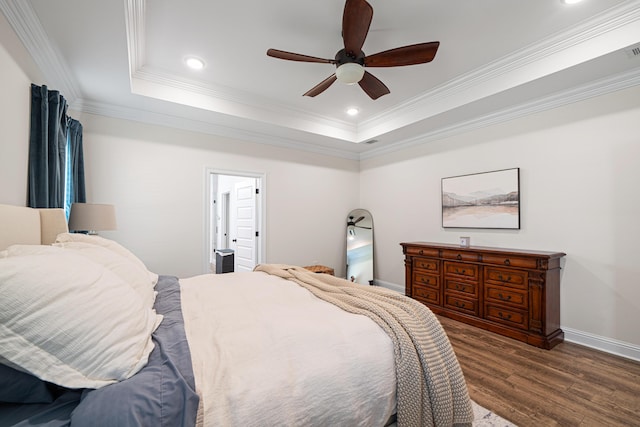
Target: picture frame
(489, 200)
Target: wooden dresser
(512, 292)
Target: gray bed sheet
(161, 394)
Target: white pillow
(126, 269)
(109, 244)
(70, 321)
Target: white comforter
(268, 353)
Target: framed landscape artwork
(482, 200)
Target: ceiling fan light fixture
(350, 73)
(194, 63)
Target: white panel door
(245, 226)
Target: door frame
(261, 212)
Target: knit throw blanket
(431, 390)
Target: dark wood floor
(570, 385)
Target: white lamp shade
(350, 73)
(92, 217)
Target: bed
(89, 336)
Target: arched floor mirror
(360, 247)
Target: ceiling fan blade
(406, 55)
(372, 86)
(358, 220)
(355, 25)
(281, 54)
(322, 86)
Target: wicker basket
(320, 269)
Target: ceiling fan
(351, 61)
(351, 227)
(352, 223)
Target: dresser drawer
(504, 295)
(505, 276)
(428, 264)
(459, 269)
(426, 279)
(510, 261)
(416, 250)
(506, 316)
(461, 305)
(428, 295)
(469, 288)
(460, 255)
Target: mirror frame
(359, 247)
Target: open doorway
(235, 238)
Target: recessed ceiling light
(194, 63)
(353, 111)
(571, 1)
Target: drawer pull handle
(460, 271)
(502, 316)
(459, 288)
(503, 298)
(507, 262)
(459, 257)
(501, 278)
(460, 305)
(421, 252)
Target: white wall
(579, 180)
(155, 176)
(15, 86)
(156, 179)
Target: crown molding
(576, 94)
(226, 99)
(443, 98)
(244, 104)
(27, 27)
(579, 93)
(459, 91)
(206, 127)
(135, 24)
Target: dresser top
(486, 249)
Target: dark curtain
(47, 148)
(76, 157)
(50, 128)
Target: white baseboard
(607, 345)
(389, 285)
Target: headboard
(30, 226)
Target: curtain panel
(76, 157)
(49, 129)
